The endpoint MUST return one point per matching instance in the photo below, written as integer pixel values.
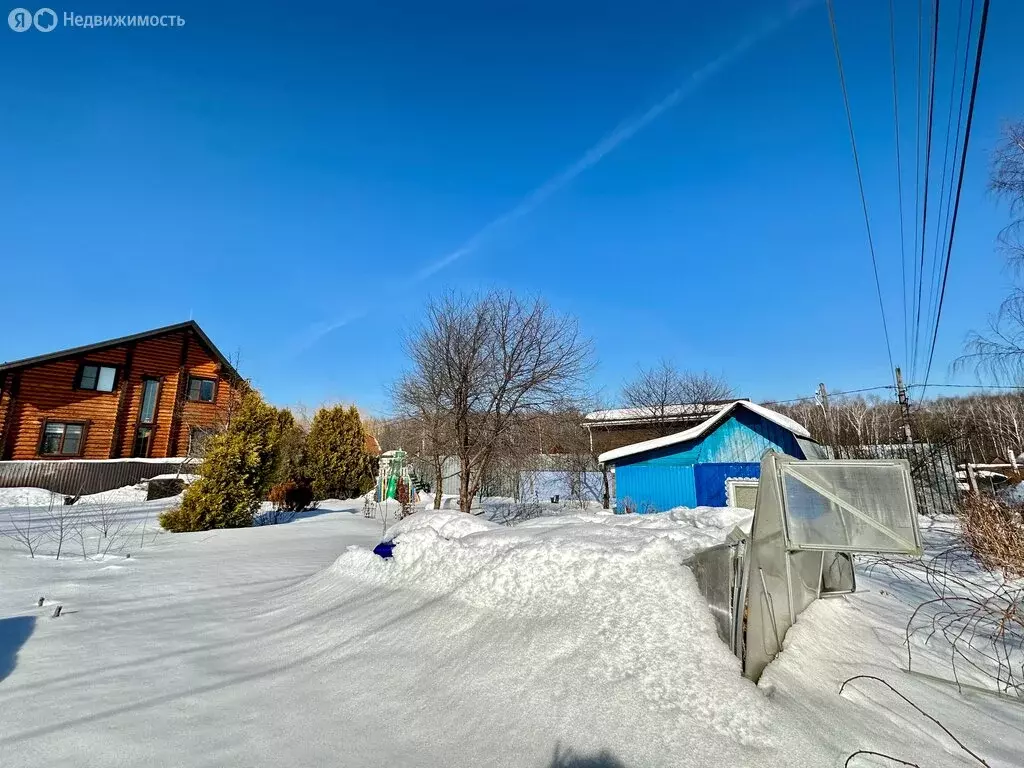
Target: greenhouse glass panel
(853, 506)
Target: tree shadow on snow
(271, 517)
(14, 633)
(330, 511)
(569, 758)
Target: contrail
(317, 331)
(624, 132)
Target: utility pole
(822, 396)
(901, 394)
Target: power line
(956, 150)
(940, 224)
(833, 394)
(899, 173)
(966, 386)
(917, 175)
(890, 387)
(927, 164)
(860, 179)
(960, 182)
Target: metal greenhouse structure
(810, 518)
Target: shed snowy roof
(675, 412)
(703, 428)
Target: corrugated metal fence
(79, 477)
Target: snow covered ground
(568, 641)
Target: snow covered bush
(512, 512)
(336, 461)
(235, 475)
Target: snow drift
(562, 643)
(585, 625)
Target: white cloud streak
(623, 133)
(317, 331)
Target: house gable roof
(703, 428)
(64, 354)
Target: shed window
(100, 378)
(741, 492)
(201, 390)
(61, 439)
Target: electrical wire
(978, 387)
(940, 225)
(960, 118)
(933, 294)
(967, 386)
(860, 179)
(833, 394)
(917, 176)
(929, 130)
(899, 174)
(960, 183)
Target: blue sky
(288, 175)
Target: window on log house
(201, 390)
(101, 378)
(61, 439)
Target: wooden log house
(149, 395)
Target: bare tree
(999, 350)
(481, 367)
(27, 530)
(421, 397)
(65, 521)
(663, 392)
(1007, 183)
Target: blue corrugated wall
(710, 480)
(645, 488)
(694, 472)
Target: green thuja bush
(335, 458)
(291, 448)
(236, 473)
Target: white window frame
(731, 483)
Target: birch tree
(999, 350)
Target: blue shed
(716, 463)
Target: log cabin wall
(203, 415)
(47, 392)
(154, 359)
(35, 394)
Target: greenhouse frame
(810, 518)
